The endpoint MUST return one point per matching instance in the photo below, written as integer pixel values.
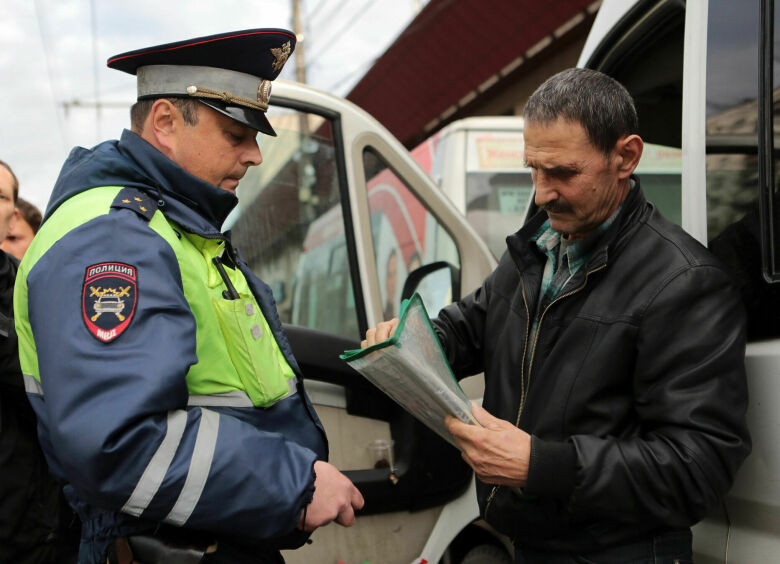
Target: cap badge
(264, 92)
(281, 55)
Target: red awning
(448, 50)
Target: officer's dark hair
(140, 111)
(599, 103)
(14, 180)
(30, 213)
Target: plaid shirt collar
(577, 252)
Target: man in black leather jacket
(613, 350)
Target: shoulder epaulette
(137, 201)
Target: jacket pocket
(253, 350)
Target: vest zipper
(523, 387)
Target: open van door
(704, 75)
(336, 220)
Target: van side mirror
(438, 283)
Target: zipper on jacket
(522, 372)
(539, 330)
(523, 392)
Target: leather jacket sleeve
(690, 396)
(461, 330)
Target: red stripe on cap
(200, 43)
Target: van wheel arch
(477, 535)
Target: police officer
(166, 392)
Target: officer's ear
(162, 125)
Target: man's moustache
(556, 207)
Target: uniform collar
(180, 190)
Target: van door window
(733, 221)
(770, 100)
(732, 113)
(289, 225)
(406, 236)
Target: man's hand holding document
(409, 365)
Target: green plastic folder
(412, 369)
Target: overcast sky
(50, 59)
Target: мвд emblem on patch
(108, 299)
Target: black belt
(149, 549)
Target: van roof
(492, 123)
(609, 14)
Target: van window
(289, 225)
(733, 224)
(772, 99)
(732, 113)
(405, 234)
(659, 172)
(499, 187)
(496, 204)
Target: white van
(704, 77)
(478, 162)
(342, 223)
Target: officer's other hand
(380, 333)
(335, 499)
(498, 452)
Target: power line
(45, 45)
(311, 15)
(350, 23)
(329, 14)
(352, 73)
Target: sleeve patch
(109, 297)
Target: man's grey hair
(140, 111)
(599, 103)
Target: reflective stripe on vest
(236, 398)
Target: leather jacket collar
(525, 254)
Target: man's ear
(162, 125)
(628, 151)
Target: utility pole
(305, 179)
(300, 59)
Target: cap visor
(249, 117)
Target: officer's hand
(498, 452)
(380, 333)
(335, 499)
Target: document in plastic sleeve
(412, 369)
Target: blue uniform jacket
(115, 415)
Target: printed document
(412, 369)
